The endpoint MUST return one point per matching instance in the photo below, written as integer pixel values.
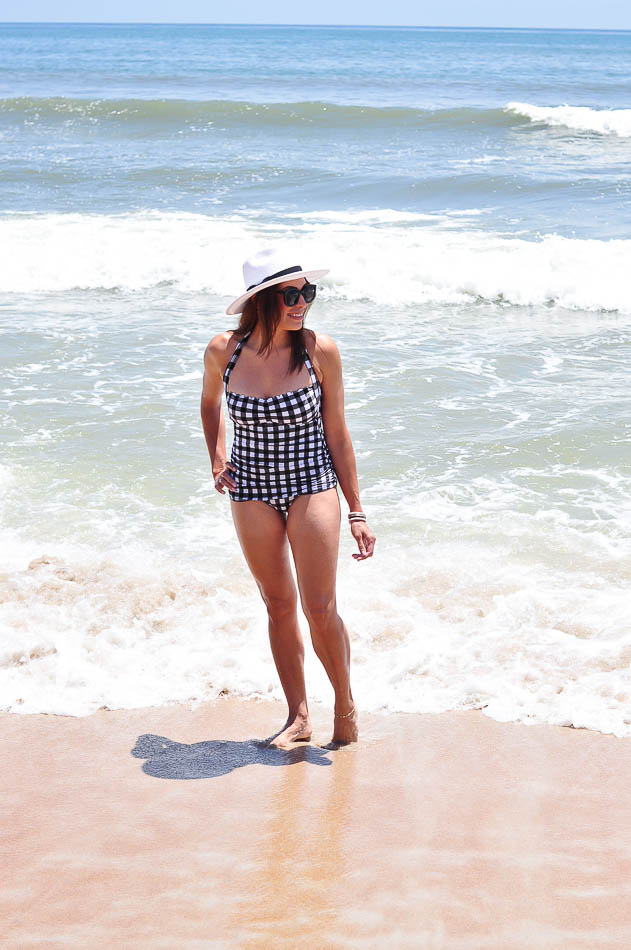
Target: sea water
(470, 192)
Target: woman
(285, 397)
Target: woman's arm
(213, 421)
(338, 438)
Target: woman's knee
(279, 606)
(320, 612)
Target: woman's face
(291, 318)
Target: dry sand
(170, 828)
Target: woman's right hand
(224, 478)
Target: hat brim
(237, 305)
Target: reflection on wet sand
(298, 879)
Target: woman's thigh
(263, 538)
(313, 529)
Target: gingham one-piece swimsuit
(279, 450)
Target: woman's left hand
(365, 540)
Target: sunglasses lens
(291, 296)
(309, 292)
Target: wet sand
(171, 828)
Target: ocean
(470, 191)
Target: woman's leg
(313, 529)
(263, 538)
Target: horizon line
(342, 26)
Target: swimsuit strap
(312, 373)
(235, 356)
(233, 359)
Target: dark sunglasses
(291, 295)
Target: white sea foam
(380, 259)
(452, 614)
(580, 118)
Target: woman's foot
(297, 729)
(345, 728)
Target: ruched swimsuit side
(279, 449)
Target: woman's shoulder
(324, 355)
(220, 349)
(221, 341)
(321, 346)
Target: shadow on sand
(176, 760)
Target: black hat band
(280, 273)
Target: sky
(555, 14)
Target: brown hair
(263, 309)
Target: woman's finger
(227, 476)
(366, 544)
(225, 480)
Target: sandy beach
(171, 827)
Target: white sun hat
(266, 268)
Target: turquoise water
(203, 118)
(469, 191)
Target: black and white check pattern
(279, 449)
